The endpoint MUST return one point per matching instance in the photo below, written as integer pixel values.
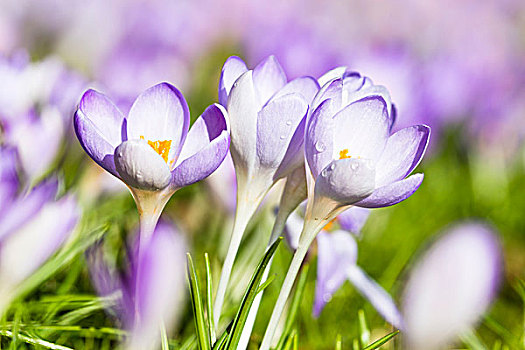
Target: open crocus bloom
(151, 149)
(451, 286)
(160, 294)
(267, 116)
(353, 158)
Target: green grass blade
(209, 302)
(265, 284)
(296, 302)
(364, 332)
(198, 310)
(339, 342)
(221, 343)
(249, 296)
(291, 342)
(381, 341)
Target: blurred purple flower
(160, 291)
(32, 226)
(151, 149)
(337, 263)
(451, 286)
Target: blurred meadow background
(457, 66)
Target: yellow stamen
(161, 147)
(344, 154)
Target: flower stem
(243, 214)
(310, 230)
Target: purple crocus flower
(267, 115)
(451, 286)
(160, 291)
(352, 156)
(32, 226)
(151, 150)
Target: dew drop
(332, 166)
(324, 173)
(289, 122)
(354, 166)
(319, 146)
(282, 137)
(327, 297)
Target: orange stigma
(344, 154)
(329, 225)
(161, 147)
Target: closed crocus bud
(451, 286)
(150, 298)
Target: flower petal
(233, 68)
(376, 295)
(451, 286)
(346, 181)
(403, 152)
(205, 148)
(293, 229)
(100, 128)
(8, 177)
(334, 91)
(276, 125)
(242, 112)
(36, 240)
(336, 253)
(392, 193)
(335, 73)
(268, 78)
(353, 219)
(361, 129)
(160, 113)
(306, 86)
(319, 138)
(140, 166)
(23, 208)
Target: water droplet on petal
(282, 137)
(288, 122)
(327, 297)
(319, 146)
(332, 166)
(354, 166)
(324, 173)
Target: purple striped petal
(8, 177)
(233, 68)
(276, 125)
(100, 128)
(205, 148)
(392, 193)
(268, 78)
(403, 152)
(319, 138)
(160, 113)
(451, 286)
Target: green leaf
(198, 310)
(266, 283)
(291, 342)
(221, 343)
(381, 341)
(249, 296)
(339, 342)
(296, 302)
(209, 302)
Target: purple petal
(306, 86)
(22, 252)
(376, 295)
(392, 193)
(293, 229)
(162, 274)
(353, 219)
(276, 125)
(362, 128)
(319, 138)
(268, 78)
(141, 167)
(451, 285)
(8, 177)
(334, 91)
(336, 253)
(24, 208)
(100, 128)
(205, 148)
(233, 68)
(160, 113)
(403, 152)
(294, 157)
(242, 112)
(333, 74)
(346, 181)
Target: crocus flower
(451, 286)
(151, 149)
(267, 116)
(32, 226)
(352, 159)
(159, 293)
